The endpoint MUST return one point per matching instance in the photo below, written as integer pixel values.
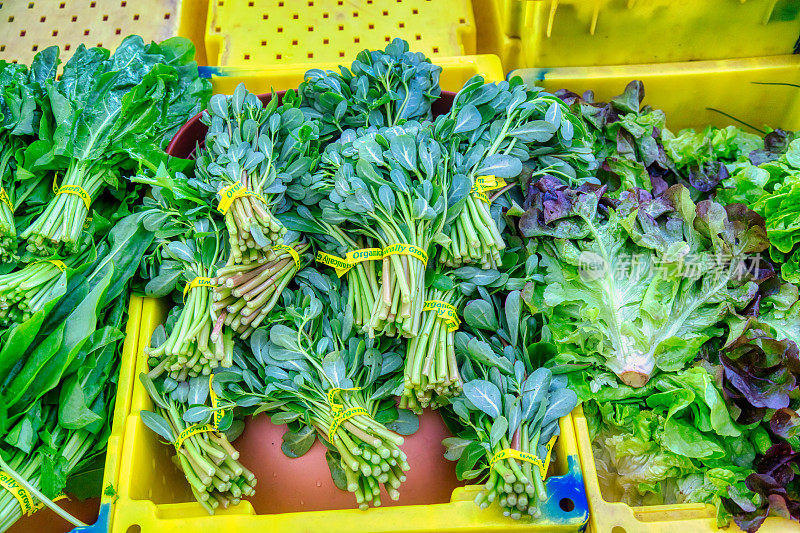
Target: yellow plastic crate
(272, 32)
(690, 92)
(616, 517)
(153, 496)
(558, 33)
(27, 26)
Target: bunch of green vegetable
(21, 99)
(315, 375)
(251, 152)
(203, 451)
(23, 292)
(245, 294)
(392, 185)
(509, 410)
(110, 115)
(491, 131)
(63, 432)
(432, 373)
(334, 245)
(59, 370)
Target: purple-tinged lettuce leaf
(776, 482)
(639, 284)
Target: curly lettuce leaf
(772, 189)
(639, 284)
(672, 441)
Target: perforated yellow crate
(27, 26)
(559, 33)
(757, 91)
(616, 517)
(268, 32)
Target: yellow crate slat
(455, 72)
(268, 32)
(28, 26)
(757, 91)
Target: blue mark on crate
(210, 72)
(539, 74)
(566, 502)
(101, 526)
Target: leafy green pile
(671, 441)
(491, 131)
(354, 167)
(650, 295)
(65, 282)
(772, 189)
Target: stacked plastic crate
(709, 62)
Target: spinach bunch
(491, 131)
(381, 88)
(110, 114)
(431, 374)
(312, 373)
(59, 369)
(509, 404)
(251, 153)
(392, 185)
(64, 432)
(21, 101)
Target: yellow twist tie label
(337, 407)
(291, 251)
(20, 493)
(509, 453)
(77, 190)
(406, 249)
(342, 416)
(444, 311)
(343, 265)
(191, 431)
(484, 184)
(218, 414)
(58, 264)
(231, 193)
(351, 259)
(197, 282)
(5, 199)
